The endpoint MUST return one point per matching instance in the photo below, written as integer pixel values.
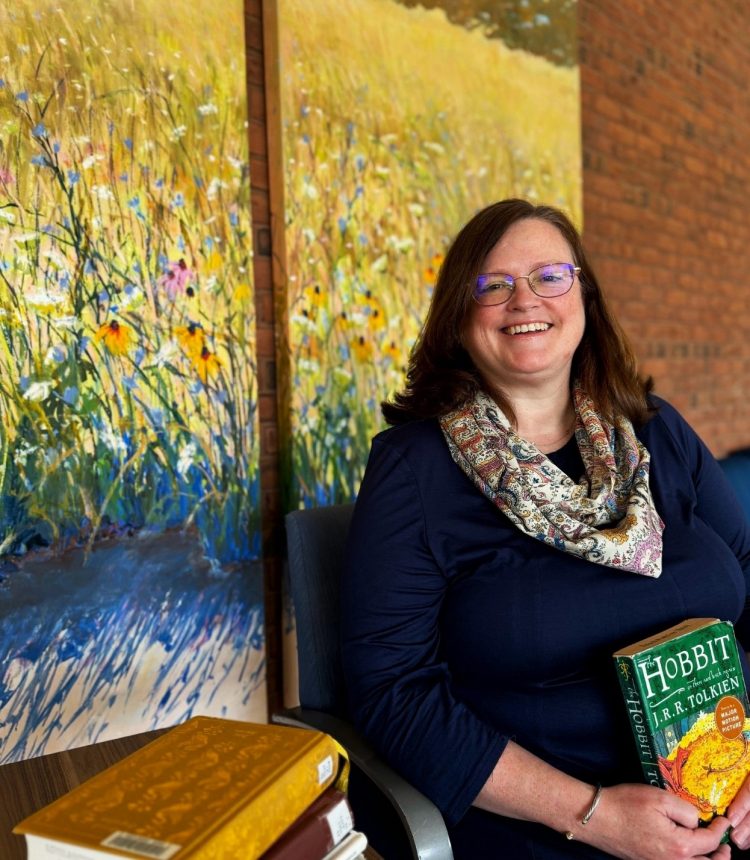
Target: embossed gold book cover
(210, 789)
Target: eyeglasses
(547, 282)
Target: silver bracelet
(591, 810)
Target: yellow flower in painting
(375, 318)
(362, 348)
(315, 296)
(242, 292)
(206, 364)
(391, 350)
(117, 337)
(190, 337)
(431, 271)
(343, 320)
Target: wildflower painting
(130, 589)
(399, 122)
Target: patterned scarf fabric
(608, 517)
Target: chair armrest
(422, 821)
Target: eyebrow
(533, 266)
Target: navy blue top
(460, 631)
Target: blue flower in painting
(103, 296)
(128, 144)
(57, 353)
(234, 219)
(304, 111)
(178, 200)
(198, 181)
(360, 162)
(305, 138)
(40, 161)
(130, 382)
(159, 183)
(110, 126)
(2, 83)
(89, 267)
(180, 243)
(55, 147)
(23, 96)
(70, 395)
(63, 280)
(39, 130)
(209, 243)
(363, 240)
(342, 225)
(23, 383)
(134, 202)
(73, 176)
(124, 177)
(139, 355)
(85, 341)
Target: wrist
(586, 815)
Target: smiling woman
(534, 510)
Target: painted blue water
(141, 633)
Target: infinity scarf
(608, 517)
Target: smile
(526, 327)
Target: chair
(399, 821)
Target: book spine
(317, 831)
(640, 720)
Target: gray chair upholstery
(399, 821)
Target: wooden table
(26, 786)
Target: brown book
(320, 828)
(209, 789)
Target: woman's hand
(640, 822)
(738, 813)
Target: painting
(130, 586)
(400, 120)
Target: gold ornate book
(209, 789)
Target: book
(317, 830)
(209, 789)
(685, 694)
(350, 848)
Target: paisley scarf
(608, 517)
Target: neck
(547, 419)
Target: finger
(705, 840)
(739, 808)
(682, 812)
(722, 853)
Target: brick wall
(666, 178)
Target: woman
(483, 599)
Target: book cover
(688, 706)
(317, 830)
(209, 789)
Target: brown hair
(441, 376)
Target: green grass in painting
(398, 126)
(127, 382)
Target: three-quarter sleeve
(399, 685)
(716, 502)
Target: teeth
(522, 329)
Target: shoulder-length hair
(441, 376)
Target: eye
(551, 274)
(493, 283)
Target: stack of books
(210, 789)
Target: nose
(523, 297)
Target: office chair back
(315, 542)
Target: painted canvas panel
(399, 122)
(130, 589)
